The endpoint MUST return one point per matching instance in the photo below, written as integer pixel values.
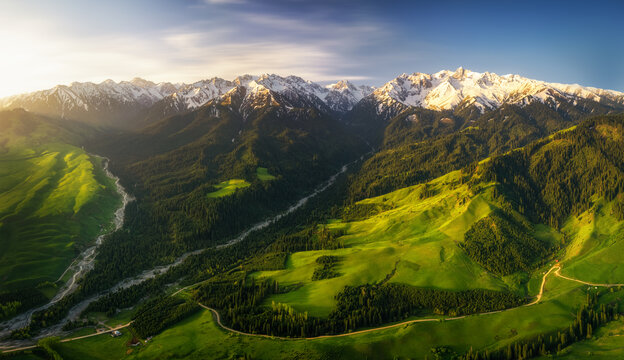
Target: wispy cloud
(314, 48)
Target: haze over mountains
(131, 104)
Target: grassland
(595, 252)
(416, 240)
(607, 343)
(198, 337)
(263, 174)
(228, 187)
(54, 200)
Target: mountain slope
(55, 199)
(176, 165)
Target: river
(80, 266)
(88, 257)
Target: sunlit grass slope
(414, 242)
(228, 187)
(595, 252)
(54, 200)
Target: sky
(44, 43)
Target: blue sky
(45, 43)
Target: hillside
(55, 200)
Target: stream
(80, 266)
(85, 263)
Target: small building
(116, 333)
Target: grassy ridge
(54, 198)
(595, 254)
(414, 242)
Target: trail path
(555, 268)
(70, 339)
(558, 273)
(538, 298)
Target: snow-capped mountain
(343, 95)
(106, 103)
(293, 91)
(120, 104)
(138, 102)
(447, 90)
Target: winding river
(85, 262)
(80, 266)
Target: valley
(473, 229)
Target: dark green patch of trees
(503, 246)
(158, 314)
(551, 179)
(241, 306)
(14, 302)
(326, 268)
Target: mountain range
(136, 103)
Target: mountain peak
(142, 82)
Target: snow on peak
(87, 96)
(343, 95)
(446, 90)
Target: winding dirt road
(558, 273)
(538, 298)
(556, 269)
(110, 330)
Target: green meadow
(55, 199)
(595, 253)
(199, 337)
(228, 187)
(263, 174)
(415, 242)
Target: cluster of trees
(311, 237)
(158, 314)
(241, 306)
(326, 268)
(357, 212)
(504, 246)
(14, 302)
(369, 305)
(76, 324)
(588, 318)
